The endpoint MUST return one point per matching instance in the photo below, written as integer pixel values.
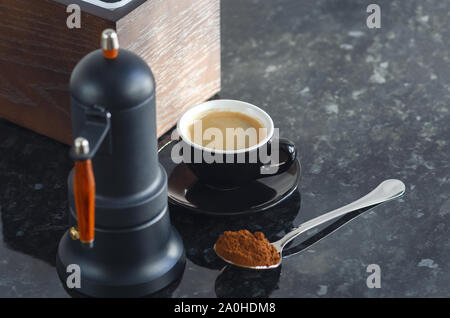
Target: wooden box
(180, 40)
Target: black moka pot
(120, 232)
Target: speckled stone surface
(363, 105)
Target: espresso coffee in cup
(223, 164)
(226, 130)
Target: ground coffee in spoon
(247, 249)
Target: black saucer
(186, 191)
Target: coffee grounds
(247, 249)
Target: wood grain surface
(37, 55)
(179, 39)
(182, 46)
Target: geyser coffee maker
(120, 234)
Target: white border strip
(106, 5)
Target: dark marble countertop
(362, 105)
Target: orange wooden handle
(84, 191)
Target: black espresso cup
(233, 168)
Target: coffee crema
(226, 130)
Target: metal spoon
(386, 191)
